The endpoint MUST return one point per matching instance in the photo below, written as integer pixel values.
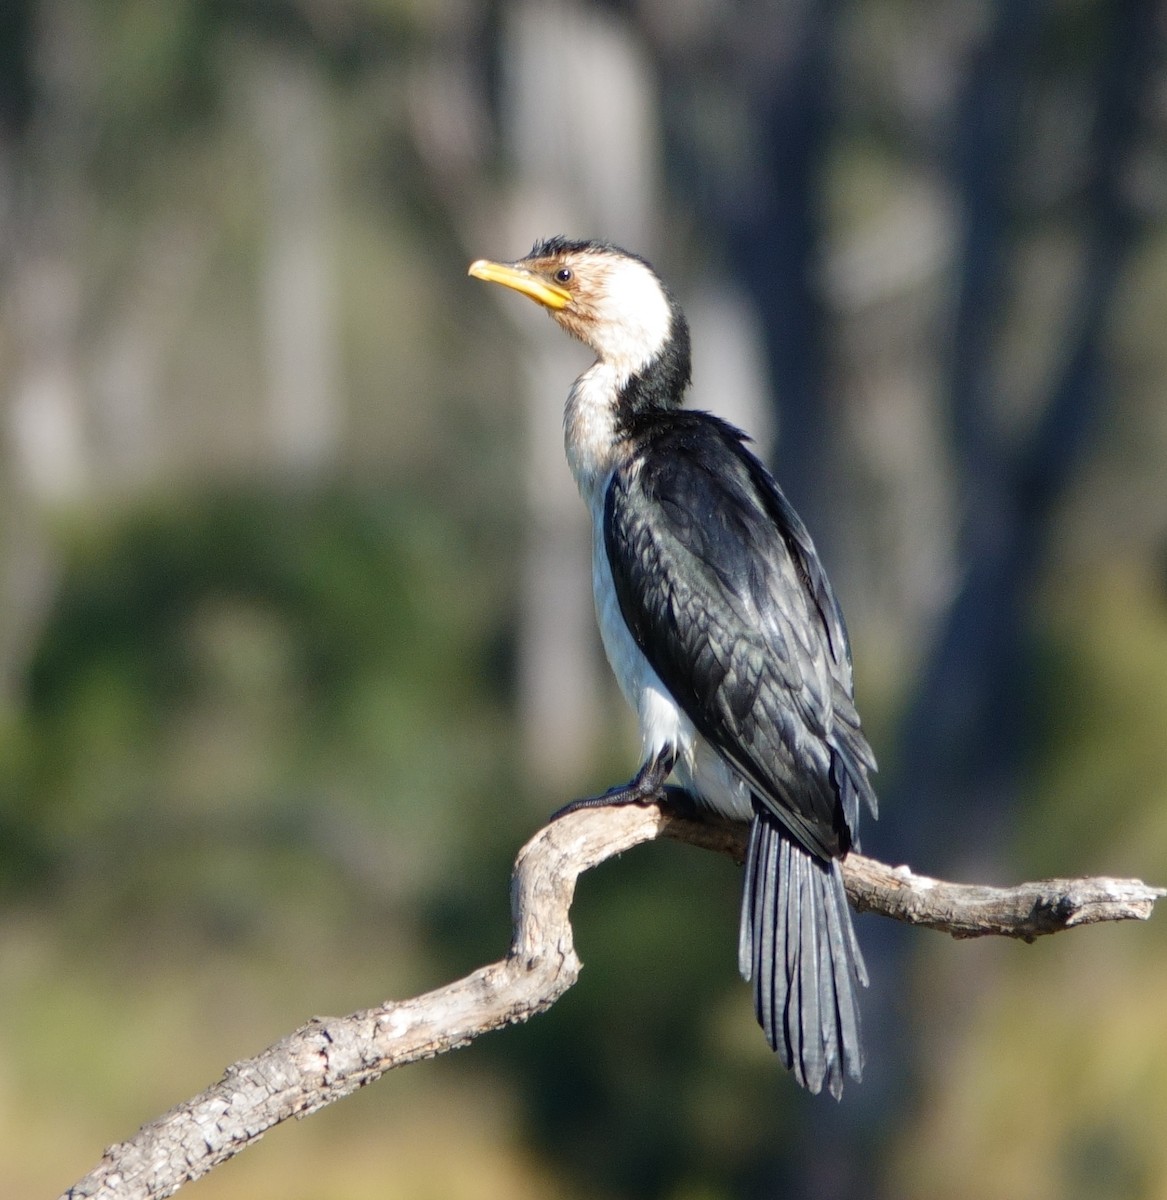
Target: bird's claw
(646, 787)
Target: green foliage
(257, 658)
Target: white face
(618, 308)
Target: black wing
(721, 587)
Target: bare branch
(968, 910)
(332, 1056)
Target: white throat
(589, 428)
(628, 323)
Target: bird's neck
(591, 425)
(604, 404)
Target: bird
(725, 637)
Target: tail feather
(805, 946)
(798, 946)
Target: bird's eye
(563, 275)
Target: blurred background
(296, 642)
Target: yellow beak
(541, 290)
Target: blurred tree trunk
(581, 130)
(132, 441)
(45, 446)
(46, 433)
(304, 408)
(965, 732)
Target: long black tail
(798, 946)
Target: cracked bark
(331, 1057)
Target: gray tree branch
(330, 1057)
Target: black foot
(647, 785)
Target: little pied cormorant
(725, 636)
